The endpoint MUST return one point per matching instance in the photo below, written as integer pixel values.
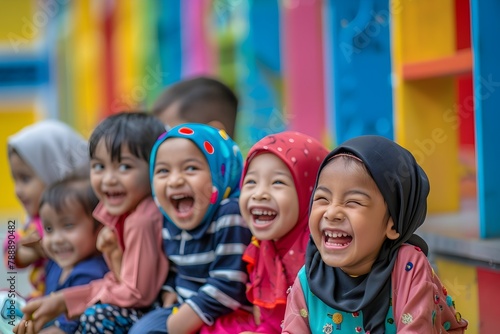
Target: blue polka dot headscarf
(223, 156)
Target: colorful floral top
(420, 303)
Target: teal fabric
(321, 315)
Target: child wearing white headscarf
(39, 155)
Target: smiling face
(182, 182)
(28, 186)
(268, 198)
(119, 185)
(69, 235)
(349, 220)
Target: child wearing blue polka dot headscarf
(195, 171)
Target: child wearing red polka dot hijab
(277, 183)
(366, 271)
(195, 172)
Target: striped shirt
(207, 270)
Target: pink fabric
(196, 50)
(417, 293)
(37, 273)
(303, 66)
(144, 265)
(273, 265)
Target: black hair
(77, 188)
(201, 100)
(137, 130)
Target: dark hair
(201, 100)
(77, 188)
(138, 130)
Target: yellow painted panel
(127, 47)
(425, 118)
(12, 119)
(86, 54)
(426, 125)
(461, 282)
(20, 22)
(426, 27)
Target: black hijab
(404, 186)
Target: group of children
(175, 233)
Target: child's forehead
(340, 167)
(183, 146)
(266, 160)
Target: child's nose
(109, 177)
(57, 237)
(261, 193)
(175, 179)
(334, 213)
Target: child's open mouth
(337, 239)
(182, 203)
(115, 197)
(263, 217)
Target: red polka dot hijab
(273, 265)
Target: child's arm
(296, 314)
(420, 302)
(185, 320)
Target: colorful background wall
(424, 73)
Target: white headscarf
(52, 149)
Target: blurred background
(424, 73)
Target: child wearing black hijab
(366, 271)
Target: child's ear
(391, 230)
(217, 124)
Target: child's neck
(64, 274)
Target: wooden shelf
(460, 63)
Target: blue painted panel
(259, 72)
(361, 68)
(169, 39)
(23, 71)
(486, 76)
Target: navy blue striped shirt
(207, 270)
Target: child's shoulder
(147, 208)
(411, 259)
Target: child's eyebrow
(357, 192)
(349, 192)
(323, 188)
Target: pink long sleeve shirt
(144, 265)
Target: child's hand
(169, 298)
(40, 311)
(29, 249)
(108, 245)
(24, 327)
